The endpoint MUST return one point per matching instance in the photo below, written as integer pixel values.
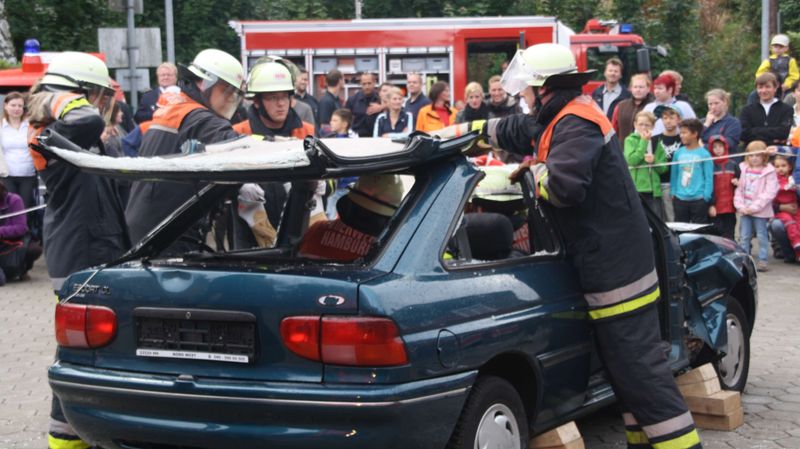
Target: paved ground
(771, 402)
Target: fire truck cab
(457, 50)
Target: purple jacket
(756, 192)
(14, 227)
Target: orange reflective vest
(302, 132)
(172, 109)
(585, 111)
(59, 105)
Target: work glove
(479, 147)
(251, 210)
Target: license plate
(196, 334)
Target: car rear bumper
(126, 410)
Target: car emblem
(188, 315)
(331, 300)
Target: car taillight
(345, 340)
(82, 326)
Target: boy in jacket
(640, 152)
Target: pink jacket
(756, 193)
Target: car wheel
(493, 417)
(733, 368)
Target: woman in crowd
(395, 121)
(439, 113)
(14, 142)
(718, 121)
(476, 108)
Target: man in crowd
(416, 98)
(167, 74)
(664, 93)
(301, 92)
(211, 91)
(366, 105)
(612, 91)
(500, 103)
(331, 100)
(769, 119)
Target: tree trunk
(773, 17)
(6, 46)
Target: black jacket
(363, 124)
(772, 129)
(151, 202)
(327, 104)
(84, 224)
(597, 96)
(598, 211)
(147, 105)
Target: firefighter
(580, 170)
(271, 114)
(210, 92)
(84, 223)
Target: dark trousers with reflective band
(60, 434)
(630, 344)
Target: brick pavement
(771, 400)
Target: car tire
(733, 368)
(493, 416)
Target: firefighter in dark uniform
(84, 223)
(211, 91)
(271, 116)
(580, 170)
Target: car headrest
(491, 236)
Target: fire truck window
(596, 58)
(485, 59)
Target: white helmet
(269, 77)
(76, 70)
(780, 39)
(212, 64)
(380, 194)
(549, 65)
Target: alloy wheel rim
(497, 429)
(730, 366)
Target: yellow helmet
(269, 77)
(380, 194)
(77, 70)
(548, 65)
(212, 64)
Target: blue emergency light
(32, 47)
(625, 28)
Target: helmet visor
(515, 78)
(102, 98)
(221, 96)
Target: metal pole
(170, 32)
(764, 29)
(358, 9)
(132, 54)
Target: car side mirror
(643, 60)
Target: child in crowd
(340, 127)
(786, 202)
(726, 176)
(670, 140)
(692, 178)
(640, 152)
(341, 119)
(781, 63)
(757, 187)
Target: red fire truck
(457, 50)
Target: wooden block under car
(701, 389)
(701, 381)
(566, 436)
(720, 403)
(729, 421)
(699, 374)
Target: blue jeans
(747, 224)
